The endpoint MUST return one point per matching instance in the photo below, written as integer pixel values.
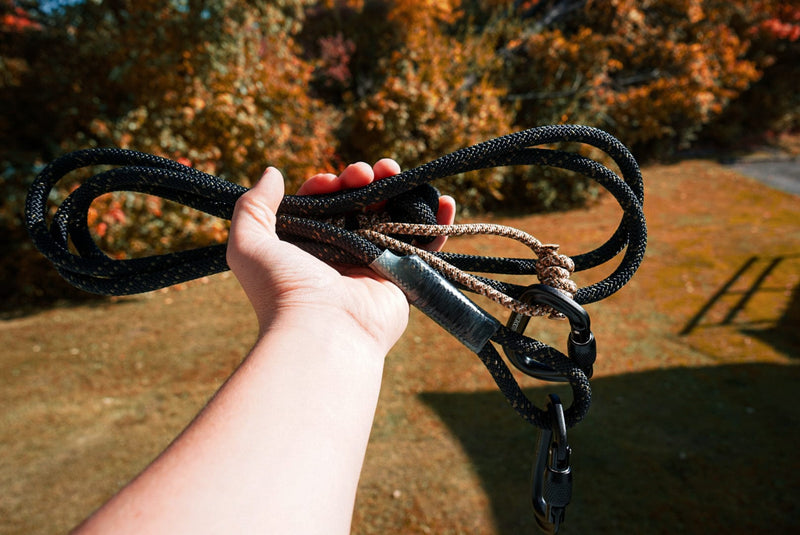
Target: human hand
(286, 284)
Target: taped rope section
(551, 268)
(308, 222)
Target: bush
(652, 73)
(772, 104)
(233, 86)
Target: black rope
(305, 221)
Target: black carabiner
(581, 345)
(551, 479)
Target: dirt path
(782, 173)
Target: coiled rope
(332, 227)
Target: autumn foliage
(230, 86)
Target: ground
(693, 426)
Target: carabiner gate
(581, 345)
(551, 480)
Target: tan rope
(552, 268)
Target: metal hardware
(581, 345)
(552, 475)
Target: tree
(230, 86)
(420, 86)
(772, 104)
(651, 72)
(217, 84)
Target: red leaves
(18, 20)
(335, 53)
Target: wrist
(331, 331)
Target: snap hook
(581, 344)
(551, 480)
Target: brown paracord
(552, 269)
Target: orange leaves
(18, 20)
(307, 86)
(436, 96)
(130, 225)
(417, 15)
(648, 71)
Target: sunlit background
(694, 423)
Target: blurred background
(229, 87)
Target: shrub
(232, 86)
(221, 88)
(652, 73)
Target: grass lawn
(693, 427)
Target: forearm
(278, 450)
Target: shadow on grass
(733, 296)
(23, 307)
(704, 450)
(784, 335)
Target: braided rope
(321, 225)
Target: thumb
(253, 220)
(255, 210)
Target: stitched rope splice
(307, 221)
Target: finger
(259, 204)
(356, 175)
(447, 210)
(385, 167)
(444, 216)
(320, 183)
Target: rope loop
(336, 228)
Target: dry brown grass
(693, 428)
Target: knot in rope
(550, 267)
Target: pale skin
(279, 448)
